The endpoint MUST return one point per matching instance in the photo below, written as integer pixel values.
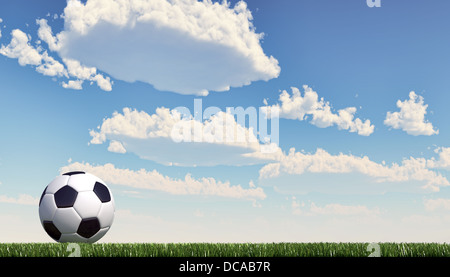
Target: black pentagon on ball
(51, 230)
(74, 173)
(42, 196)
(65, 197)
(102, 192)
(88, 227)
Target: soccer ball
(76, 207)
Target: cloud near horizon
(153, 180)
(437, 204)
(333, 209)
(22, 199)
(411, 169)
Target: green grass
(224, 250)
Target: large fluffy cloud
(184, 46)
(298, 107)
(167, 137)
(411, 117)
(411, 169)
(153, 180)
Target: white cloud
(204, 46)
(73, 84)
(412, 169)
(23, 199)
(45, 34)
(20, 48)
(334, 209)
(300, 107)
(436, 204)
(153, 180)
(132, 193)
(411, 117)
(104, 83)
(339, 209)
(444, 159)
(116, 147)
(168, 138)
(51, 67)
(75, 69)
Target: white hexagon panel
(76, 207)
(87, 204)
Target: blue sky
(347, 53)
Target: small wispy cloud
(22, 199)
(335, 209)
(437, 204)
(20, 48)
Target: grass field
(223, 250)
